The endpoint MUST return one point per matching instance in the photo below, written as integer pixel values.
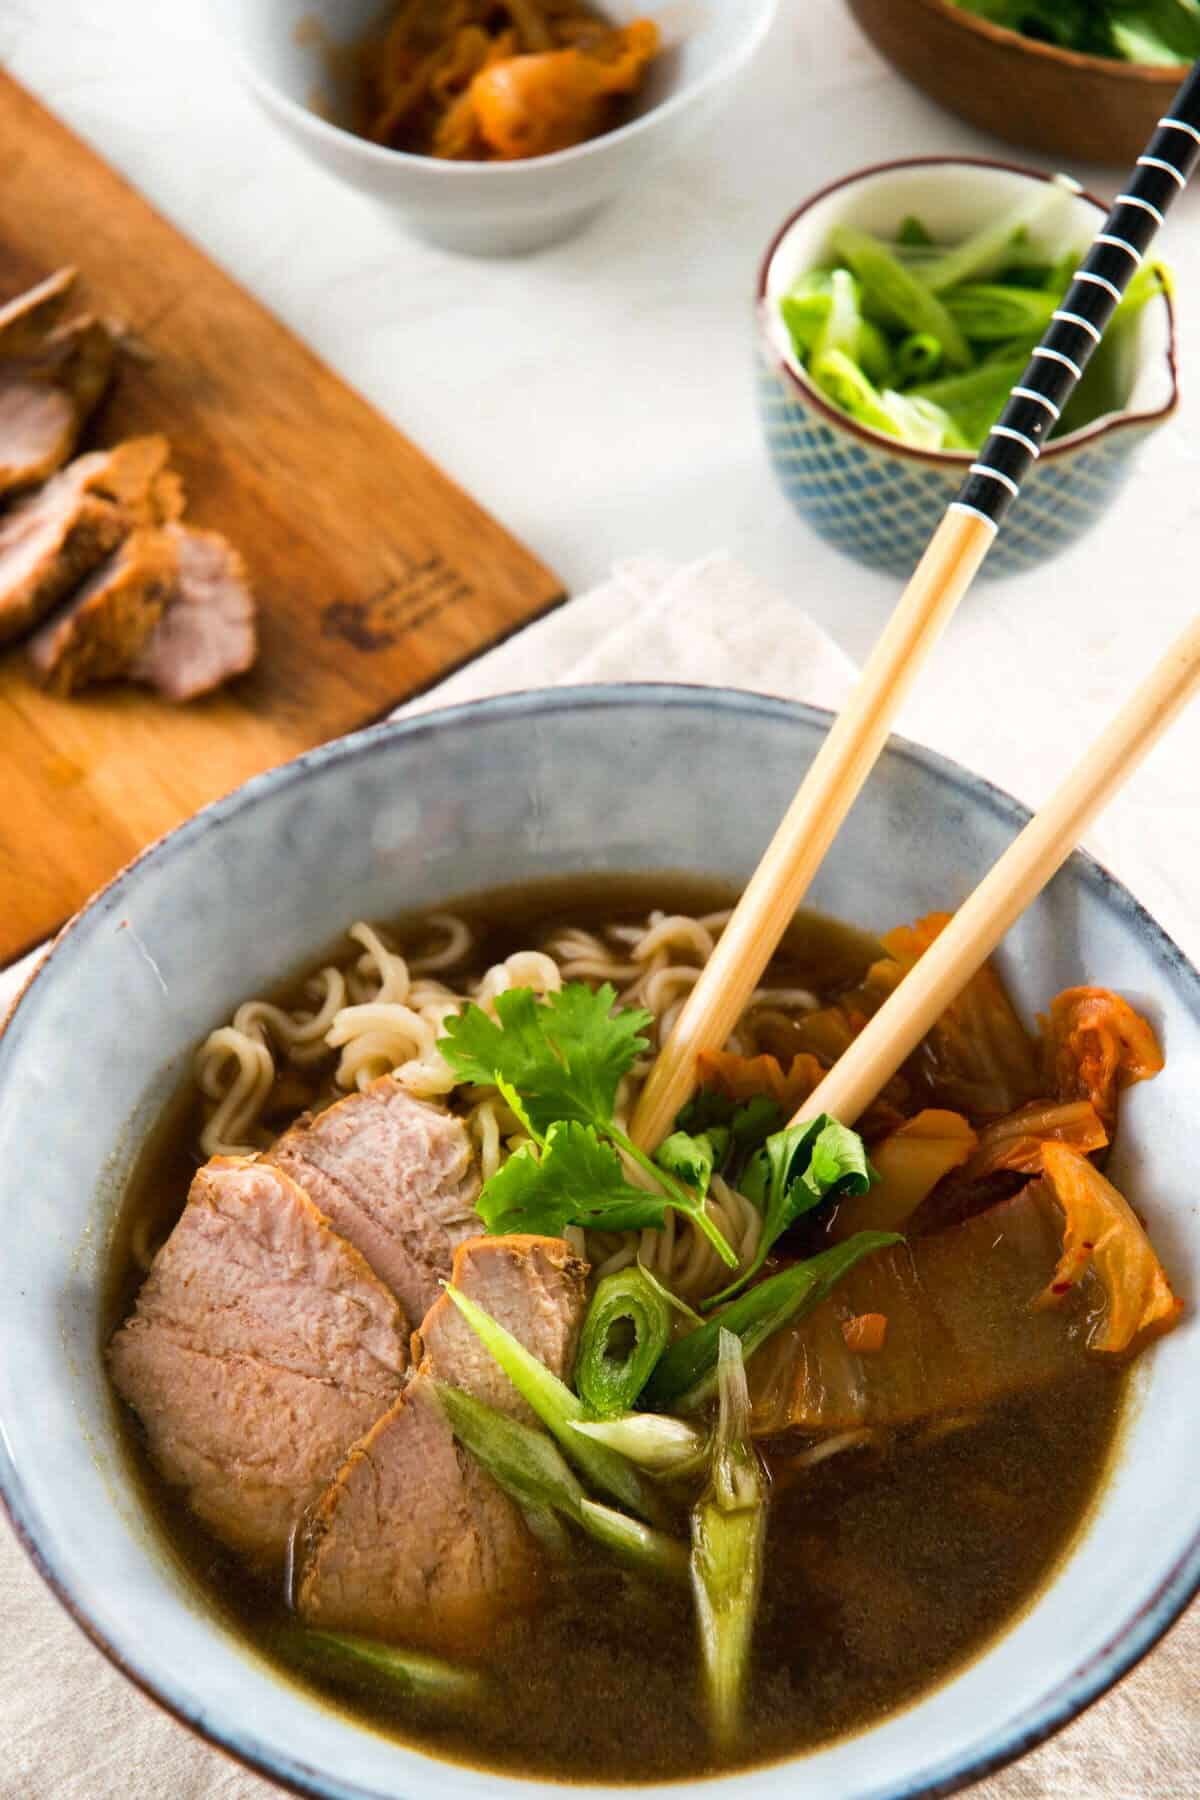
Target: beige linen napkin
(72, 1729)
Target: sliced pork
(535, 1287)
(413, 1541)
(25, 319)
(395, 1177)
(55, 538)
(207, 633)
(47, 397)
(962, 1332)
(262, 1347)
(99, 634)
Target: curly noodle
(377, 1011)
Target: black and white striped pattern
(1076, 328)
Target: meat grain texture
(47, 398)
(57, 536)
(207, 633)
(262, 1346)
(413, 1540)
(146, 598)
(396, 1177)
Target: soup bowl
(587, 780)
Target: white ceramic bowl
(490, 208)
(537, 785)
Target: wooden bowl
(1085, 107)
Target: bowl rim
(958, 460)
(1169, 76)
(383, 156)
(1012, 1737)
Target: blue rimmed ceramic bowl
(878, 499)
(622, 778)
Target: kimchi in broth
(698, 1463)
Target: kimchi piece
(1093, 1046)
(962, 1334)
(534, 105)
(978, 1059)
(498, 80)
(909, 1164)
(1008, 1153)
(1104, 1234)
(744, 1077)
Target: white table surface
(597, 397)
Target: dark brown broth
(885, 1572)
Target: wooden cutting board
(375, 575)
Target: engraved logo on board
(420, 590)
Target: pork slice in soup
(413, 1541)
(262, 1346)
(396, 1177)
(535, 1287)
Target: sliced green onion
(895, 295)
(687, 1375)
(527, 1465)
(655, 1551)
(874, 352)
(805, 316)
(918, 357)
(990, 313)
(991, 380)
(922, 422)
(558, 1409)
(525, 1462)
(985, 251)
(728, 1533)
(906, 416)
(341, 1653)
(654, 1441)
(548, 1530)
(627, 1328)
(841, 326)
(672, 1299)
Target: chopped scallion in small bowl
(899, 308)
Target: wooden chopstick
(942, 577)
(811, 822)
(1030, 861)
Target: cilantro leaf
(796, 1170)
(693, 1159)
(561, 1061)
(746, 1124)
(565, 1055)
(577, 1180)
(753, 1123)
(516, 1105)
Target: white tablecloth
(597, 397)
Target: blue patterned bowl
(878, 499)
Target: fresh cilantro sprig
(796, 1170)
(561, 1061)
